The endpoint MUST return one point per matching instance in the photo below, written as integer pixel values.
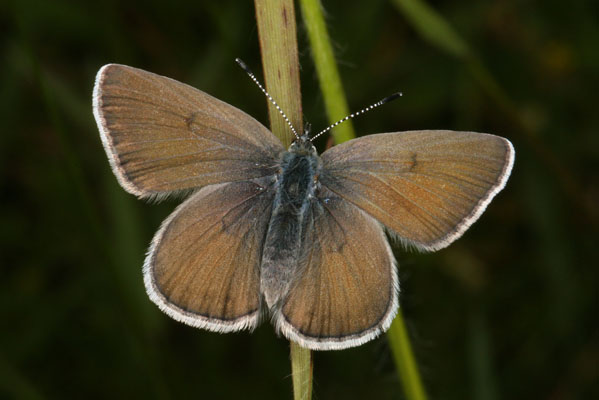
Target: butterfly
(285, 233)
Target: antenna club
(243, 66)
(392, 97)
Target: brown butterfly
(285, 233)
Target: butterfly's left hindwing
(346, 289)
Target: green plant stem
(432, 26)
(336, 104)
(301, 370)
(326, 69)
(278, 45)
(404, 359)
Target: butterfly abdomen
(295, 188)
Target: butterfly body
(294, 233)
(296, 187)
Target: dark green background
(507, 312)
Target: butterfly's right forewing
(161, 135)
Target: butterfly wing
(428, 187)
(163, 136)
(346, 289)
(203, 267)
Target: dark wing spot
(190, 120)
(413, 161)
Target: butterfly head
(302, 144)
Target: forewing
(203, 265)
(346, 289)
(163, 136)
(428, 187)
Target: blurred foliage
(508, 311)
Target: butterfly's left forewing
(346, 288)
(203, 267)
(427, 187)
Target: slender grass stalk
(330, 84)
(432, 26)
(301, 369)
(278, 43)
(326, 69)
(404, 359)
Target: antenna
(362, 111)
(274, 103)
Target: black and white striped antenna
(362, 111)
(274, 103)
(297, 136)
